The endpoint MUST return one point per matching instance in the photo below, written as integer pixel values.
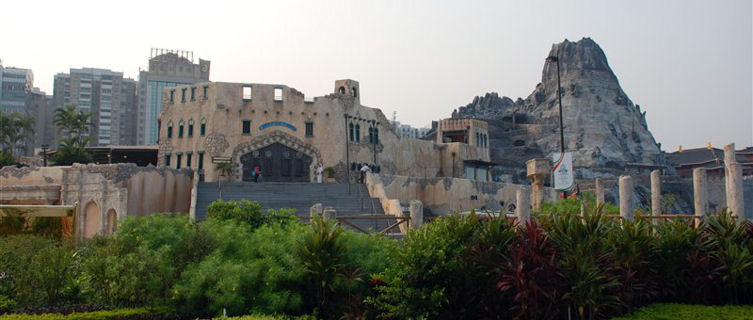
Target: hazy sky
(687, 63)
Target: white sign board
(563, 171)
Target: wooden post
(599, 191)
(700, 194)
(656, 195)
(416, 214)
(626, 198)
(523, 206)
(733, 173)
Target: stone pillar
(537, 170)
(626, 198)
(656, 194)
(329, 213)
(599, 191)
(733, 173)
(700, 193)
(316, 210)
(416, 214)
(523, 206)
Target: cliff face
(602, 127)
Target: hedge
(119, 314)
(671, 311)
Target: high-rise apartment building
(15, 85)
(40, 106)
(103, 92)
(167, 68)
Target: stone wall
(444, 196)
(103, 192)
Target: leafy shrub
(119, 314)
(661, 311)
(248, 212)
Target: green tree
(74, 125)
(15, 128)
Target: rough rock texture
(602, 126)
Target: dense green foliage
(119, 314)
(673, 311)
(246, 261)
(73, 125)
(573, 205)
(14, 129)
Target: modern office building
(15, 84)
(103, 92)
(167, 68)
(40, 106)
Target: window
(169, 129)
(371, 135)
(355, 92)
(159, 128)
(178, 159)
(180, 129)
(188, 160)
(352, 134)
(193, 93)
(206, 92)
(376, 135)
(278, 94)
(246, 126)
(246, 92)
(341, 90)
(167, 160)
(309, 129)
(183, 95)
(190, 128)
(203, 129)
(201, 160)
(172, 96)
(358, 133)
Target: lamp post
(559, 99)
(45, 147)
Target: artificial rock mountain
(603, 128)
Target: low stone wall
(391, 206)
(444, 196)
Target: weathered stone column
(656, 195)
(316, 210)
(329, 213)
(626, 198)
(522, 206)
(599, 191)
(733, 173)
(537, 170)
(700, 193)
(416, 214)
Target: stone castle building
(288, 135)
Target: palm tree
(14, 128)
(71, 122)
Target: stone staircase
(299, 196)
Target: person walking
(257, 174)
(319, 171)
(365, 169)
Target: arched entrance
(278, 163)
(92, 219)
(112, 221)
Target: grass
(674, 311)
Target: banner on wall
(563, 171)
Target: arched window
(190, 128)
(352, 134)
(376, 135)
(180, 129)
(371, 135)
(341, 90)
(203, 128)
(358, 133)
(355, 92)
(170, 129)
(478, 139)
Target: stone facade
(218, 120)
(103, 193)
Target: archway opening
(92, 220)
(112, 221)
(278, 163)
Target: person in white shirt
(319, 171)
(364, 170)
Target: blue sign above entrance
(277, 123)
